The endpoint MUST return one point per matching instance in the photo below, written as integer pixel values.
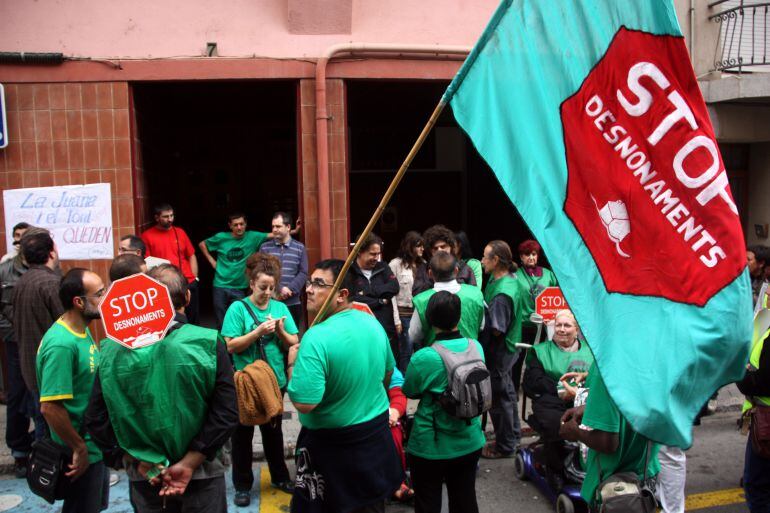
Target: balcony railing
(743, 32)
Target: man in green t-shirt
(232, 249)
(337, 381)
(613, 443)
(67, 361)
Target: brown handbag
(760, 430)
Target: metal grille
(743, 44)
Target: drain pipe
(322, 116)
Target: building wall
(242, 28)
(759, 183)
(71, 134)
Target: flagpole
(380, 208)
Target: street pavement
(714, 468)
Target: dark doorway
(212, 148)
(448, 182)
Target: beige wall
(705, 32)
(759, 187)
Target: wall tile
(11, 97)
(27, 125)
(88, 95)
(56, 96)
(29, 155)
(26, 97)
(122, 153)
(105, 123)
(40, 93)
(90, 124)
(60, 158)
(122, 128)
(104, 96)
(76, 157)
(106, 154)
(45, 156)
(46, 179)
(30, 179)
(13, 156)
(72, 98)
(123, 183)
(74, 124)
(120, 95)
(14, 179)
(91, 154)
(43, 125)
(59, 124)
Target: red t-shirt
(174, 245)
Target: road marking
(714, 499)
(271, 500)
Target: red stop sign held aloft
(136, 311)
(549, 302)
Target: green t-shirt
(238, 322)
(436, 435)
(231, 257)
(340, 367)
(602, 414)
(66, 368)
(534, 285)
(557, 362)
(475, 266)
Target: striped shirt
(293, 266)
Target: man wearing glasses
(66, 366)
(337, 382)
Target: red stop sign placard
(136, 311)
(549, 302)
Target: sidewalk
(729, 399)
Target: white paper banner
(78, 216)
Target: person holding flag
(605, 147)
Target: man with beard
(167, 241)
(66, 366)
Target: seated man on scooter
(553, 370)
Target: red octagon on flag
(647, 189)
(549, 302)
(136, 311)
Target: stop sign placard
(549, 302)
(136, 311)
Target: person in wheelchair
(554, 369)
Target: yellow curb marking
(271, 500)
(714, 499)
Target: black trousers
(272, 441)
(459, 474)
(20, 403)
(201, 496)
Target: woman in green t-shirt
(553, 370)
(442, 448)
(260, 327)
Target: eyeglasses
(318, 284)
(99, 294)
(128, 250)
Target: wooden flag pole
(380, 208)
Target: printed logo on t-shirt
(235, 254)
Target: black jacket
(377, 293)
(757, 382)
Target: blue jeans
(405, 345)
(756, 481)
(90, 493)
(223, 298)
(504, 412)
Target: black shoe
(242, 499)
(284, 486)
(20, 468)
